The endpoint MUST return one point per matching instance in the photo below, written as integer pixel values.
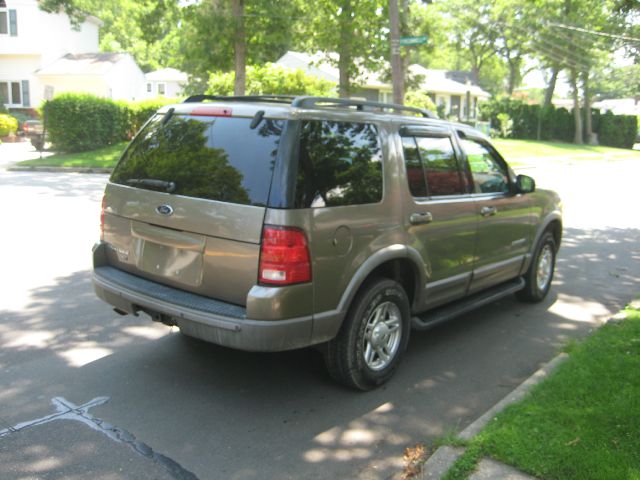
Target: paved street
(170, 407)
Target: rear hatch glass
(186, 203)
(214, 158)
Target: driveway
(122, 397)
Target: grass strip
(514, 150)
(102, 158)
(582, 422)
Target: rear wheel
(540, 274)
(367, 350)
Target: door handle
(420, 218)
(488, 211)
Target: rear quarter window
(214, 158)
(339, 163)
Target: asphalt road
(170, 407)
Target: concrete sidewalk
(11, 153)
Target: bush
(419, 99)
(272, 79)
(8, 125)
(617, 130)
(506, 125)
(79, 122)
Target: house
(166, 82)
(109, 75)
(455, 91)
(42, 54)
(619, 106)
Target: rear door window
(432, 167)
(340, 163)
(214, 158)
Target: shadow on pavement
(228, 414)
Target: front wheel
(367, 350)
(540, 274)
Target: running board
(441, 314)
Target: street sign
(407, 41)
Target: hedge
(78, 122)
(618, 130)
(549, 123)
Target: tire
(540, 274)
(367, 350)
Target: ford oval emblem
(164, 210)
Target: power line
(593, 32)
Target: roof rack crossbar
(286, 99)
(309, 102)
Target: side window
(489, 174)
(440, 165)
(415, 173)
(340, 163)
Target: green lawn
(101, 158)
(583, 422)
(516, 151)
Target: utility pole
(396, 60)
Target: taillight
(102, 218)
(284, 256)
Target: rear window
(340, 163)
(219, 158)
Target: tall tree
(351, 33)
(221, 35)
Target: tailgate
(202, 234)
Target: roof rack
(311, 102)
(323, 102)
(287, 99)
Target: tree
(351, 34)
(218, 35)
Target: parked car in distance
(34, 130)
(273, 223)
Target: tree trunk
(514, 71)
(344, 51)
(588, 123)
(577, 115)
(240, 48)
(548, 96)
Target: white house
(41, 54)
(454, 90)
(166, 82)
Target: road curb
(444, 457)
(60, 169)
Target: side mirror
(525, 184)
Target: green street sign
(407, 41)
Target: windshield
(215, 158)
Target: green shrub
(419, 99)
(617, 130)
(506, 125)
(78, 122)
(272, 79)
(8, 125)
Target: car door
(505, 222)
(440, 213)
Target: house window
(8, 21)
(161, 89)
(15, 93)
(4, 22)
(149, 88)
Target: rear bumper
(205, 318)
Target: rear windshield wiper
(168, 187)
